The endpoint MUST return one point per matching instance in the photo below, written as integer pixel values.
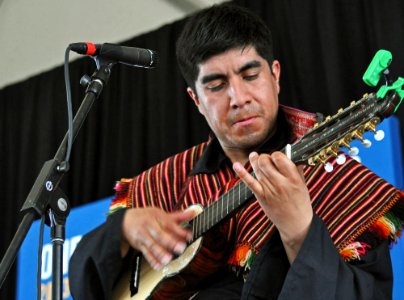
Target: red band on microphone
(90, 49)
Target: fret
(239, 196)
(201, 223)
(203, 218)
(209, 218)
(205, 221)
(214, 218)
(233, 201)
(197, 227)
(193, 229)
(230, 199)
(227, 204)
(214, 212)
(222, 209)
(217, 213)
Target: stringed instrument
(180, 279)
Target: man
(276, 247)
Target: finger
(283, 164)
(156, 256)
(183, 216)
(168, 238)
(153, 262)
(300, 168)
(247, 178)
(174, 223)
(267, 173)
(262, 165)
(155, 253)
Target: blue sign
(386, 160)
(81, 220)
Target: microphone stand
(45, 195)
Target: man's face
(238, 95)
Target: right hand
(157, 234)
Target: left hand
(280, 188)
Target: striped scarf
(359, 209)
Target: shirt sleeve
(97, 262)
(318, 271)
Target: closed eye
(216, 85)
(250, 77)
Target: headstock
(327, 138)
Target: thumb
(186, 215)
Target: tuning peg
(371, 126)
(366, 143)
(341, 159)
(316, 160)
(331, 151)
(328, 167)
(354, 151)
(379, 135)
(357, 135)
(344, 143)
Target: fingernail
(236, 166)
(166, 259)
(180, 248)
(253, 154)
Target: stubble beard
(249, 140)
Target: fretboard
(223, 207)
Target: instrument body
(183, 276)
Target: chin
(250, 141)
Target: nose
(238, 94)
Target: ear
(193, 95)
(276, 72)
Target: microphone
(131, 56)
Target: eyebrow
(212, 77)
(249, 65)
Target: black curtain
(143, 116)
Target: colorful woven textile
(359, 209)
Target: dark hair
(217, 29)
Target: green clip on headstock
(377, 67)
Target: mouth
(245, 121)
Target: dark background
(143, 116)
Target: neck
(241, 155)
(237, 155)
